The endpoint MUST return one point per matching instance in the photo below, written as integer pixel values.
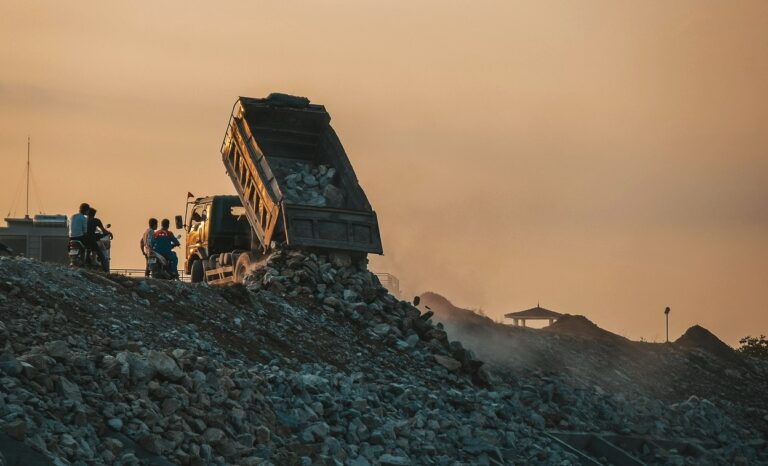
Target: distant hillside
(577, 346)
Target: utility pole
(26, 215)
(666, 316)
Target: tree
(754, 346)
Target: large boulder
(165, 366)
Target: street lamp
(666, 316)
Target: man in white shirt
(146, 242)
(78, 223)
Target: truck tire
(213, 262)
(242, 267)
(225, 259)
(197, 272)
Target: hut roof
(537, 312)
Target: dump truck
(295, 189)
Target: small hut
(534, 313)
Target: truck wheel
(213, 262)
(196, 272)
(242, 267)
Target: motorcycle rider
(146, 242)
(163, 244)
(92, 237)
(78, 223)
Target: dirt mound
(445, 310)
(582, 327)
(697, 337)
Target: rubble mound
(697, 337)
(343, 285)
(580, 326)
(315, 364)
(312, 362)
(584, 378)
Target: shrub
(754, 346)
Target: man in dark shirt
(92, 237)
(164, 243)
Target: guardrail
(390, 282)
(140, 273)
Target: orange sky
(607, 159)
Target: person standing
(78, 223)
(147, 239)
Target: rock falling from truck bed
(307, 184)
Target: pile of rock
(312, 363)
(342, 285)
(109, 370)
(307, 184)
(674, 403)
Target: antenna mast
(26, 215)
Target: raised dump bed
(294, 179)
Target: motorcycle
(160, 266)
(76, 251)
(80, 256)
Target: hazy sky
(606, 158)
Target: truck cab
(216, 226)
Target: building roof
(537, 312)
(18, 225)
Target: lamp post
(666, 316)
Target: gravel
(311, 362)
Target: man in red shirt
(164, 242)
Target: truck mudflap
(323, 227)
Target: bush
(754, 346)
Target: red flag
(189, 194)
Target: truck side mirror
(179, 222)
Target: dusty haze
(605, 159)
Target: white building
(43, 237)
